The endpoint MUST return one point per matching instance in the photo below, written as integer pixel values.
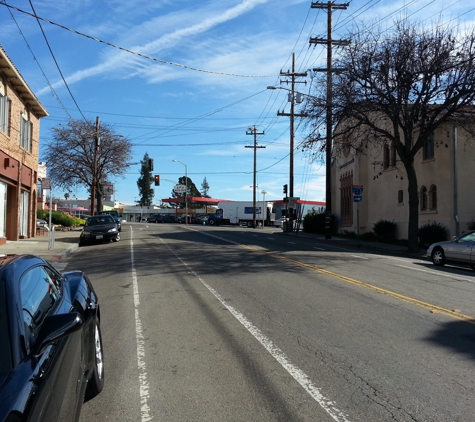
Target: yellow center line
(425, 305)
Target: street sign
(357, 190)
(179, 189)
(357, 198)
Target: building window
(428, 150)
(4, 113)
(389, 156)
(346, 200)
(400, 196)
(423, 198)
(25, 132)
(433, 197)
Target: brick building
(20, 114)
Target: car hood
(101, 228)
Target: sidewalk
(65, 243)
(360, 244)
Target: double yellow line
(425, 305)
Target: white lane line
(440, 274)
(292, 243)
(296, 373)
(319, 249)
(143, 383)
(360, 257)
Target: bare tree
(71, 153)
(396, 87)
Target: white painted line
(296, 373)
(319, 249)
(292, 243)
(144, 387)
(360, 257)
(270, 238)
(440, 274)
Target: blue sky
(185, 80)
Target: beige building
(445, 170)
(20, 114)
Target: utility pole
(329, 6)
(253, 131)
(97, 142)
(293, 99)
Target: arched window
(433, 197)
(423, 198)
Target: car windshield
(99, 221)
(5, 355)
(469, 237)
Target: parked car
(51, 356)
(115, 215)
(202, 220)
(99, 228)
(169, 218)
(41, 223)
(156, 218)
(459, 250)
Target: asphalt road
(207, 323)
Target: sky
(187, 81)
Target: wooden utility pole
(253, 131)
(330, 6)
(292, 98)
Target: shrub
(314, 222)
(59, 218)
(432, 232)
(385, 230)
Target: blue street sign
(357, 198)
(357, 189)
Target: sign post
(357, 197)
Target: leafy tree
(205, 188)
(192, 191)
(397, 87)
(70, 155)
(144, 183)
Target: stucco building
(445, 169)
(20, 114)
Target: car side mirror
(454, 238)
(55, 327)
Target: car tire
(438, 257)
(117, 238)
(472, 267)
(211, 222)
(96, 382)
(249, 224)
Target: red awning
(196, 200)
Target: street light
(186, 191)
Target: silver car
(459, 250)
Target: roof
(20, 85)
(196, 200)
(303, 202)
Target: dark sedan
(459, 250)
(99, 228)
(50, 341)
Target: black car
(115, 215)
(155, 219)
(51, 357)
(169, 219)
(99, 228)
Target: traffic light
(157, 180)
(150, 165)
(285, 189)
